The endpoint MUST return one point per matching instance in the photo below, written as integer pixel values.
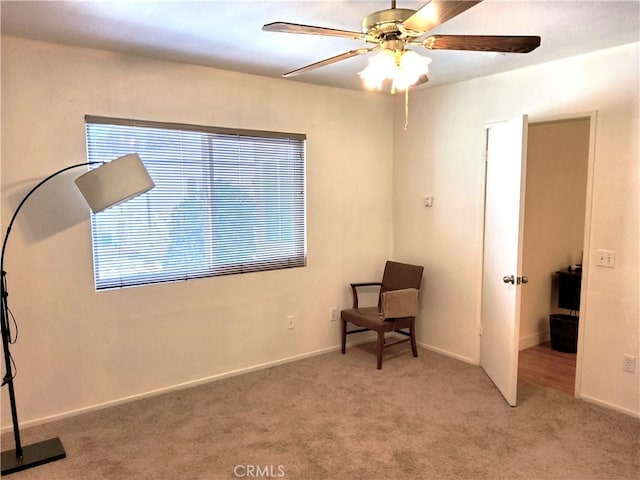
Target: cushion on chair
(367, 317)
(400, 303)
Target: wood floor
(541, 365)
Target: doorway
(554, 233)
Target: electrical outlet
(334, 314)
(290, 323)
(629, 363)
(606, 258)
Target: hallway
(541, 365)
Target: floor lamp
(103, 187)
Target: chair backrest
(400, 275)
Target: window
(226, 201)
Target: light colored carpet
(337, 417)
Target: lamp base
(32, 456)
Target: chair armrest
(355, 286)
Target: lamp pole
(43, 452)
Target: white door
(503, 226)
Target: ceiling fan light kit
(392, 31)
(403, 67)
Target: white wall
(78, 348)
(441, 154)
(555, 206)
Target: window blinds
(226, 201)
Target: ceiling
(228, 35)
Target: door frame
(592, 115)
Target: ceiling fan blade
(483, 43)
(435, 13)
(285, 27)
(328, 61)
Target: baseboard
(173, 388)
(447, 353)
(534, 339)
(442, 351)
(609, 406)
(220, 376)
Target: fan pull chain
(406, 108)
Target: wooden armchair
(395, 312)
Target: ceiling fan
(394, 30)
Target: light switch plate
(606, 258)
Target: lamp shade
(114, 182)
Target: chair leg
(412, 333)
(380, 348)
(344, 336)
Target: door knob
(509, 279)
(524, 279)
